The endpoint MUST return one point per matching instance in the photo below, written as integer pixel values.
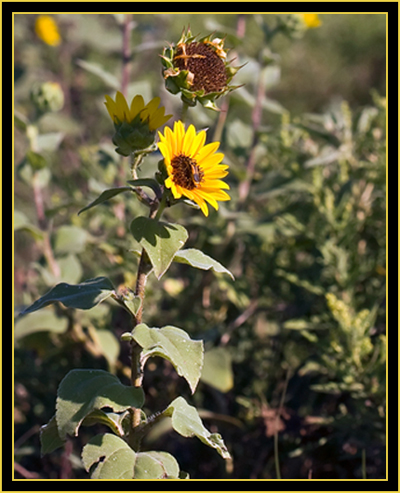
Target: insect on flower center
(187, 173)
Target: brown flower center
(206, 66)
(186, 172)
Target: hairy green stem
(185, 108)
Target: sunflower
(194, 169)
(198, 69)
(136, 124)
(120, 111)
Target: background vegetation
(295, 367)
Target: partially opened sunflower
(194, 169)
(136, 124)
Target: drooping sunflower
(198, 69)
(194, 169)
(135, 125)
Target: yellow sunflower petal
(111, 107)
(217, 184)
(198, 142)
(137, 106)
(188, 141)
(122, 111)
(179, 131)
(212, 161)
(206, 152)
(209, 198)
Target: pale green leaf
(196, 258)
(22, 222)
(96, 69)
(70, 239)
(160, 240)
(109, 345)
(107, 418)
(175, 345)
(217, 370)
(108, 457)
(84, 295)
(45, 321)
(186, 421)
(156, 465)
(82, 391)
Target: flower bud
(47, 97)
(135, 126)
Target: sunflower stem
(185, 108)
(161, 207)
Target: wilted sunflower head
(135, 125)
(198, 69)
(194, 170)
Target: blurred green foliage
(296, 345)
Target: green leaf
(160, 240)
(45, 321)
(49, 437)
(22, 222)
(36, 160)
(108, 457)
(106, 195)
(50, 141)
(186, 421)
(83, 391)
(175, 345)
(196, 258)
(147, 182)
(70, 239)
(84, 295)
(109, 345)
(98, 70)
(217, 370)
(109, 419)
(156, 465)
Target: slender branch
(185, 108)
(43, 224)
(126, 53)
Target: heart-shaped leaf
(160, 240)
(84, 295)
(83, 391)
(176, 346)
(156, 465)
(109, 457)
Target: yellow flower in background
(311, 20)
(194, 169)
(120, 111)
(47, 30)
(136, 124)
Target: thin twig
(278, 415)
(126, 53)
